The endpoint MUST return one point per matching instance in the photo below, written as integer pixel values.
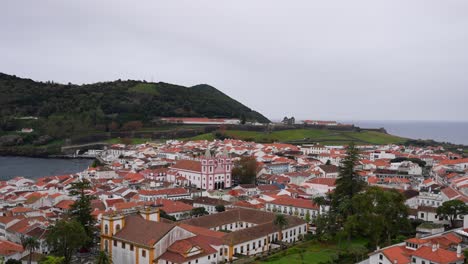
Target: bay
(12, 166)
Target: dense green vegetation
(65, 237)
(353, 205)
(66, 110)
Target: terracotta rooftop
(8, 248)
(323, 181)
(190, 165)
(172, 191)
(143, 232)
(289, 201)
(64, 204)
(176, 252)
(209, 201)
(439, 255)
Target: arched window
(106, 229)
(117, 228)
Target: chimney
(395, 261)
(434, 247)
(459, 251)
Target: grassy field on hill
(330, 137)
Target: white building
(208, 173)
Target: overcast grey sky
(360, 60)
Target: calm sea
(11, 167)
(444, 131)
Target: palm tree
(280, 221)
(103, 258)
(31, 244)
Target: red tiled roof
(454, 162)
(439, 255)
(323, 181)
(190, 165)
(202, 231)
(174, 255)
(301, 203)
(143, 232)
(8, 219)
(170, 206)
(373, 180)
(64, 204)
(172, 191)
(8, 248)
(112, 202)
(398, 253)
(450, 193)
(246, 204)
(17, 210)
(417, 241)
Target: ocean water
(11, 167)
(444, 131)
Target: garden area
(315, 252)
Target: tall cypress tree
(81, 210)
(348, 184)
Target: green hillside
(67, 110)
(330, 137)
(119, 100)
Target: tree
(358, 251)
(163, 214)
(30, 244)
(96, 163)
(387, 212)
(328, 162)
(126, 141)
(220, 208)
(245, 170)
(81, 209)
(243, 119)
(198, 211)
(132, 125)
(450, 210)
(103, 258)
(52, 260)
(113, 126)
(319, 200)
(280, 222)
(326, 226)
(65, 238)
(13, 261)
(348, 184)
(307, 217)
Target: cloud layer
(379, 60)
